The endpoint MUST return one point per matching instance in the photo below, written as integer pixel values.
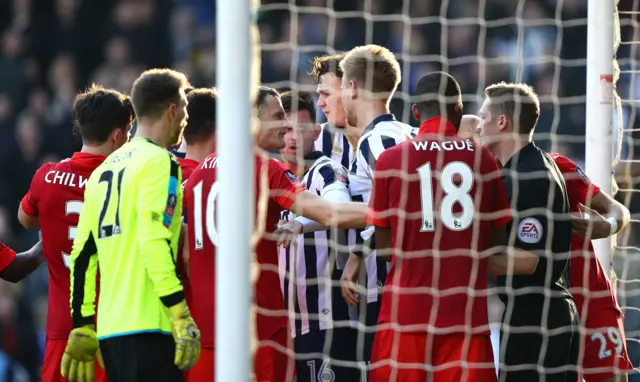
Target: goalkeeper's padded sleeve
(78, 361)
(159, 210)
(83, 269)
(186, 335)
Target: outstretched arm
(23, 264)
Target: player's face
(300, 137)
(489, 126)
(178, 117)
(330, 99)
(349, 96)
(273, 125)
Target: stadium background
(49, 49)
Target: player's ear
(171, 111)
(353, 88)
(502, 122)
(416, 112)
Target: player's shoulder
(563, 162)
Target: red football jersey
(440, 197)
(56, 197)
(587, 277)
(6, 256)
(202, 238)
(187, 166)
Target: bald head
(469, 126)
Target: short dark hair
(326, 64)
(155, 90)
(299, 101)
(519, 102)
(202, 114)
(438, 93)
(98, 111)
(263, 93)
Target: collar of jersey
(436, 126)
(515, 158)
(81, 155)
(378, 119)
(314, 155)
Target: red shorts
(604, 345)
(272, 363)
(204, 370)
(445, 352)
(53, 352)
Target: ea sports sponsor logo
(530, 230)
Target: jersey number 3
(454, 193)
(109, 230)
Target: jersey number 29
(453, 193)
(209, 215)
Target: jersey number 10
(209, 215)
(453, 193)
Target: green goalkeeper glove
(186, 335)
(79, 359)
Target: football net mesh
(480, 42)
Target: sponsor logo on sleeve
(530, 231)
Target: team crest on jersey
(530, 231)
(582, 175)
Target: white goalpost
(236, 79)
(599, 106)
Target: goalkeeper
(130, 224)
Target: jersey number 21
(108, 230)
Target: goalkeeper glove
(78, 362)
(186, 335)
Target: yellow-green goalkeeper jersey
(129, 225)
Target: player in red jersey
(16, 266)
(270, 364)
(198, 140)
(604, 356)
(54, 202)
(439, 335)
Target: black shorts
(317, 351)
(140, 357)
(532, 356)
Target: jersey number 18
(453, 193)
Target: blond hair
(518, 101)
(372, 67)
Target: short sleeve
(30, 201)
(283, 190)
(6, 256)
(378, 214)
(579, 186)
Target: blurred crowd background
(50, 49)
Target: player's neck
(510, 147)
(103, 150)
(155, 131)
(198, 151)
(370, 111)
(353, 133)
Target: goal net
(480, 42)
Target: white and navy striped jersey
(333, 143)
(382, 133)
(311, 267)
